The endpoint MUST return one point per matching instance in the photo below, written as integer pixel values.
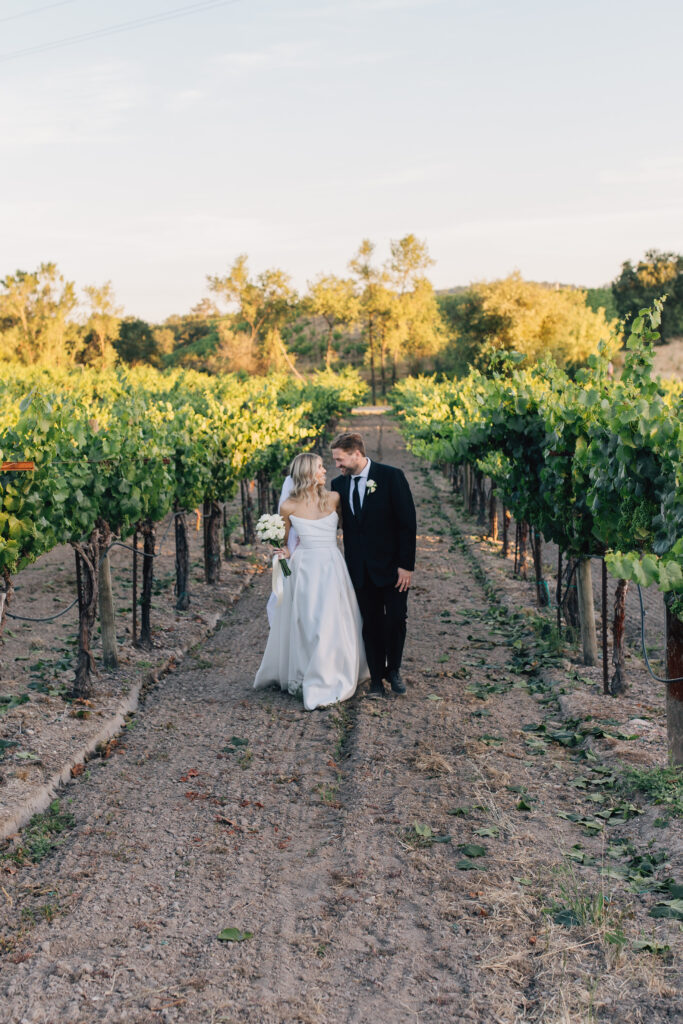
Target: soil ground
(43, 737)
(467, 852)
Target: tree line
(384, 317)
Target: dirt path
(234, 809)
(42, 735)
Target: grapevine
(114, 452)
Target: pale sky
(534, 135)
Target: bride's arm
(284, 512)
(293, 536)
(337, 506)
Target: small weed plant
(659, 785)
(41, 835)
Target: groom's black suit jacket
(382, 539)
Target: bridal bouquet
(271, 530)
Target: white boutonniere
(371, 486)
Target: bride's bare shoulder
(334, 498)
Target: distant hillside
(458, 289)
(669, 359)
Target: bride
(315, 646)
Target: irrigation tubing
(49, 618)
(659, 679)
(114, 544)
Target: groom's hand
(403, 581)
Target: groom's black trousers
(384, 611)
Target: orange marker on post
(17, 467)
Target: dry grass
(432, 763)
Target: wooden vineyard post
(558, 591)
(182, 563)
(464, 482)
(506, 532)
(603, 619)
(107, 617)
(135, 587)
(148, 543)
(481, 502)
(243, 506)
(493, 515)
(228, 525)
(247, 513)
(542, 597)
(570, 602)
(472, 496)
(674, 691)
(455, 478)
(523, 545)
(618, 682)
(589, 639)
(263, 488)
(213, 519)
(87, 571)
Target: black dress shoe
(377, 689)
(397, 684)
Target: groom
(379, 545)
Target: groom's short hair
(349, 442)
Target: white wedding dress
(315, 646)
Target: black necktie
(355, 498)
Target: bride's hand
(282, 552)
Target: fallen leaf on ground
(472, 850)
(233, 935)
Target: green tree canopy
(523, 316)
(262, 304)
(135, 342)
(333, 299)
(102, 325)
(602, 298)
(400, 315)
(658, 275)
(36, 325)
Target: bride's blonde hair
(303, 472)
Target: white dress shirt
(362, 484)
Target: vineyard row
(593, 463)
(113, 453)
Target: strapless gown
(315, 645)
